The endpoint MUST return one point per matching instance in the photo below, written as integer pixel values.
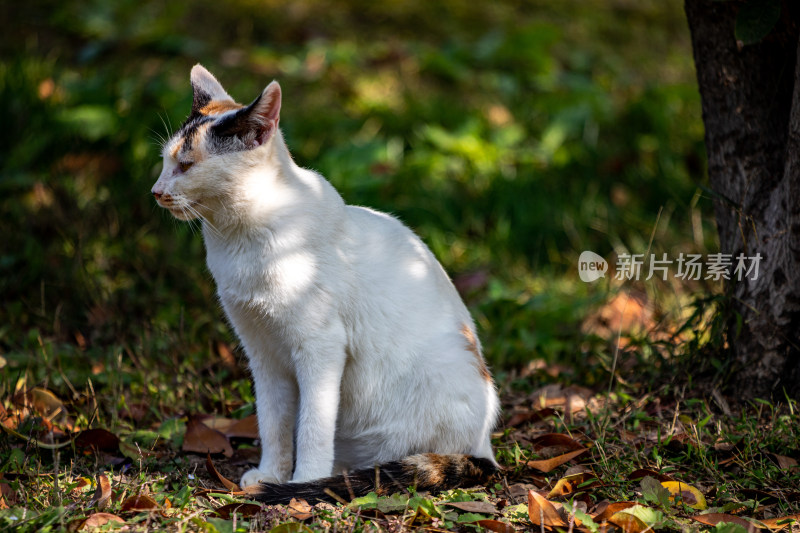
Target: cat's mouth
(181, 210)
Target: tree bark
(751, 110)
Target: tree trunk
(751, 110)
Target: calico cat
(361, 350)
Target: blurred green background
(510, 135)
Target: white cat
(361, 350)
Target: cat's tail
(426, 472)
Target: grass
(511, 138)
(738, 462)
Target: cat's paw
(256, 476)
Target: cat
(361, 350)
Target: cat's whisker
(158, 139)
(167, 127)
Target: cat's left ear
(265, 112)
(256, 123)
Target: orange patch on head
(217, 107)
(472, 346)
(176, 149)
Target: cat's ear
(206, 88)
(265, 112)
(257, 122)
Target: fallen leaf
(7, 495)
(246, 428)
(546, 465)
(712, 519)
(541, 512)
(785, 463)
(228, 484)
(46, 403)
(689, 494)
(82, 484)
(570, 484)
(553, 440)
(572, 399)
(103, 492)
(226, 354)
(474, 507)
(299, 509)
(776, 524)
(644, 472)
(141, 502)
(244, 509)
(609, 510)
(200, 438)
(497, 526)
(97, 440)
(530, 416)
(628, 523)
(100, 519)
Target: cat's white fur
(360, 348)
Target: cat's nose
(157, 194)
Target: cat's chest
(251, 271)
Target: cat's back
(395, 266)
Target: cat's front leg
(276, 409)
(319, 368)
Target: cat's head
(202, 158)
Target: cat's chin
(182, 214)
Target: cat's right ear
(206, 88)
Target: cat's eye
(185, 165)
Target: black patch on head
(235, 132)
(189, 127)
(200, 99)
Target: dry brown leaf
(228, 484)
(712, 519)
(97, 440)
(526, 417)
(572, 399)
(226, 354)
(546, 465)
(137, 503)
(474, 507)
(603, 513)
(200, 438)
(299, 509)
(7, 495)
(785, 463)
(628, 523)
(569, 484)
(246, 428)
(11, 420)
(46, 403)
(557, 441)
(541, 512)
(103, 492)
(244, 509)
(496, 525)
(644, 472)
(776, 524)
(100, 519)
